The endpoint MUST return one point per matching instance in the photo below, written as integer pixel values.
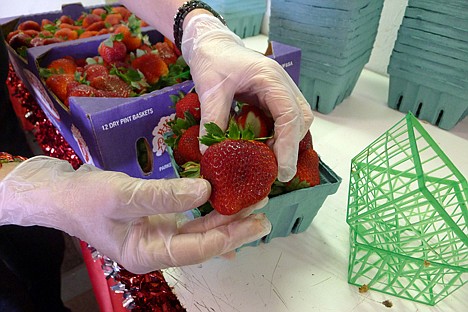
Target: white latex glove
(222, 68)
(136, 222)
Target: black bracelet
(182, 12)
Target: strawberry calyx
(191, 169)
(134, 78)
(214, 134)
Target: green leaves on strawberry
(240, 169)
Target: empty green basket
(407, 210)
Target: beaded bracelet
(8, 158)
(183, 11)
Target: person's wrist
(186, 12)
(194, 13)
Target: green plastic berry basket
(293, 212)
(408, 215)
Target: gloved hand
(222, 68)
(138, 223)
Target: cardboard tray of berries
(72, 22)
(109, 101)
(113, 107)
(242, 168)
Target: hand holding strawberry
(138, 223)
(222, 68)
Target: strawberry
(99, 11)
(66, 34)
(188, 146)
(112, 50)
(20, 40)
(65, 19)
(90, 19)
(58, 84)
(189, 103)
(113, 19)
(241, 170)
(166, 52)
(307, 174)
(124, 12)
(152, 67)
(29, 25)
(97, 26)
(82, 90)
(92, 71)
(255, 118)
(306, 142)
(88, 34)
(112, 86)
(131, 40)
(46, 22)
(64, 65)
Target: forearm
(160, 13)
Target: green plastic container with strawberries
(293, 212)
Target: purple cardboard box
(288, 57)
(121, 134)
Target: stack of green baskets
(336, 38)
(408, 215)
(243, 17)
(429, 64)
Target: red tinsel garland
(147, 292)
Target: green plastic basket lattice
(407, 210)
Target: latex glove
(132, 221)
(222, 68)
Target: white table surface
(308, 271)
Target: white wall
(390, 21)
(391, 18)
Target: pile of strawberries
(127, 65)
(97, 22)
(240, 166)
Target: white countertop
(308, 271)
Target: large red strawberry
(152, 66)
(241, 170)
(112, 50)
(255, 118)
(188, 146)
(189, 103)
